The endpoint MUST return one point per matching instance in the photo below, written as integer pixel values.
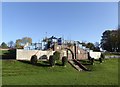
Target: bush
(56, 55)
(34, 59)
(92, 61)
(64, 60)
(100, 59)
(102, 56)
(51, 60)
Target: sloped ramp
(81, 66)
(77, 65)
(74, 65)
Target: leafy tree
(18, 43)
(83, 44)
(4, 45)
(11, 44)
(118, 39)
(21, 42)
(48, 44)
(106, 41)
(110, 40)
(97, 48)
(26, 40)
(90, 46)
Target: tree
(105, 41)
(11, 44)
(90, 46)
(118, 39)
(18, 43)
(22, 42)
(110, 40)
(26, 40)
(83, 43)
(4, 45)
(97, 48)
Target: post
(67, 53)
(75, 50)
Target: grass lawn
(2, 52)
(7, 54)
(22, 73)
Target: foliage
(11, 44)
(111, 40)
(90, 46)
(18, 43)
(2, 52)
(83, 43)
(56, 55)
(48, 44)
(97, 46)
(51, 60)
(34, 59)
(102, 55)
(118, 40)
(22, 42)
(92, 61)
(26, 40)
(100, 59)
(4, 45)
(64, 60)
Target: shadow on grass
(58, 64)
(42, 64)
(10, 54)
(85, 62)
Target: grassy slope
(19, 73)
(3, 51)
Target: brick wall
(80, 53)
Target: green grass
(8, 54)
(111, 54)
(2, 52)
(20, 73)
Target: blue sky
(83, 21)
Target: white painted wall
(22, 54)
(95, 55)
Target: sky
(83, 21)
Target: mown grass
(8, 54)
(2, 52)
(23, 73)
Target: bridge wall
(80, 53)
(22, 54)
